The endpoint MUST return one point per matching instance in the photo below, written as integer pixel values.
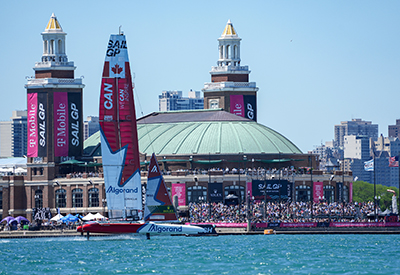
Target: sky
(316, 63)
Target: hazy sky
(316, 63)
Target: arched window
(346, 193)
(60, 47)
(45, 47)
(228, 52)
(61, 198)
(93, 197)
(51, 46)
(197, 194)
(38, 198)
(77, 197)
(235, 190)
(221, 52)
(235, 52)
(329, 193)
(303, 193)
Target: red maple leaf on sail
(117, 69)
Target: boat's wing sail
(119, 140)
(158, 205)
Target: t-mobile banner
(339, 195)
(318, 192)
(42, 114)
(60, 124)
(275, 189)
(179, 189)
(32, 126)
(237, 105)
(351, 192)
(215, 192)
(75, 127)
(250, 105)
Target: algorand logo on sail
(164, 228)
(118, 191)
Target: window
(214, 104)
(93, 197)
(38, 198)
(329, 193)
(303, 193)
(235, 190)
(77, 197)
(197, 194)
(61, 198)
(346, 193)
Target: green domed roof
(204, 132)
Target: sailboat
(121, 164)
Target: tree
(364, 192)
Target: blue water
(261, 254)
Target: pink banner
(318, 191)
(351, 192)
(303, 224)
(237, 105)
(179, 189)
(60, 103)
(228, 224)
(32, 126)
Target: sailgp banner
(318, 191)
(274, 189)
(215, 192)
(60, 106)
(244, 106)
(37, 125)
(75, 121)
(179, 189)
(237, 105)
(33, 137)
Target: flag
(369, 165)
(394, 161)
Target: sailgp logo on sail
(118, 191)
(161, 229)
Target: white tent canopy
(57, 217)
(89, 217)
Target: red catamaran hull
(111, 228)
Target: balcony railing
(222, 85)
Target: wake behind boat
(121, 163)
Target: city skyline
(316, 64)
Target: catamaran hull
(140, 228)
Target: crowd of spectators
(280, 212)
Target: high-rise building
(394, 130)
(55, 123)
(230, 88)
(354, 127)
(173, 101)
(90, 126)
(13, 135)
